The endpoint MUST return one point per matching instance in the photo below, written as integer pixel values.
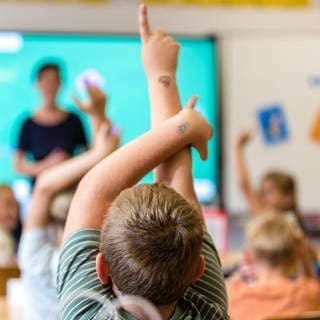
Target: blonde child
(277, 189)
(274, 251)
(277, 194)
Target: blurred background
(255, 64)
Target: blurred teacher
(51, 134)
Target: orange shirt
(261, 301)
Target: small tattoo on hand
(183, 127)
(165, 80)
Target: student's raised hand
(201, 129)
(159, 51)
(106, 141)
(96, 103)
(244, 138)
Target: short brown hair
(151, 240)
(282, 181)
(286, 184)
(271, 240)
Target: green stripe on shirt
(78, 281)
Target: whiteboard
(266, 69)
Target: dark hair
(286, 184)
(48, 66)
(49, 63)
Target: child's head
(271, 241)
(60, 205)
(151, 241)
(278, 191)
(59, 209)
(9, 208)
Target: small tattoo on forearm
(183, 127)
(165, 80)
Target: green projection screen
(116, 62)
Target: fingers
(160, 33)
(96, 94)
(245, 136)
(93, 90)
(144, 27)
(204, 153)
(192, 102)
(203, 150)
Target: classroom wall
(230, 25)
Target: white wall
(230, 25)
(264, 70)
(121, 17)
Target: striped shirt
(82, 296)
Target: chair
(5, 275)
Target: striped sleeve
(78, 286)
(211, 285)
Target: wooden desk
(5, 275)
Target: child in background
(274, 251)
(44, 225)
(277, 190)
(277, 194)
(146, 240)
(9, 223)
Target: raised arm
(95, 107)
(126, 166)
(243, 177)
(160, 58)
(68, 174)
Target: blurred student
(274, 251)
(51, 198)
(9, 226)
(277, 194)
(51, 134)
(277, 191)
(145, 240)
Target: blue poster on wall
(273, 124)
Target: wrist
(99, 118)
(184, 126)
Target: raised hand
(106, 141)
(202, 131)
(95, 104)
(244, 138)
(159, 51)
